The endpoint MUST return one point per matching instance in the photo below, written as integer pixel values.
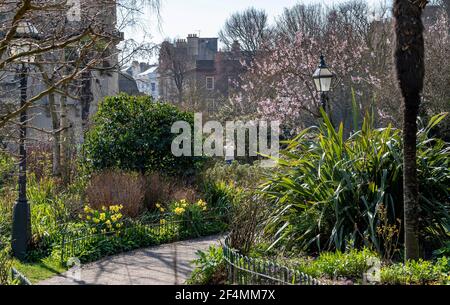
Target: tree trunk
(410, 68)
(86, 99)
(64, 140)
(56, 136)
(410, 184)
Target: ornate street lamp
(23, 42)
(323, 78)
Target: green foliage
(134, 134)
(7, 168)
(240, 175)
(443, 251)
(5, 266)
(351, 264)
(48, 212)
(327, 191)
(7, 199)
(221, 195)
(417, 273)
(90, 241)
(334, 265)
(40, 269)
(234, 188)
(210, 267)
(92, 247)
(197, 219)
(224, 185)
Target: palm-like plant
(328, 192)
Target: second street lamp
(21, 226)
(323, 78)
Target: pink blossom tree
(278, 84)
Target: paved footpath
(162, 265)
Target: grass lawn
(41, 270)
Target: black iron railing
(154, 231)
(244, 270)
(19, 277)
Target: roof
(153, 69)
(127, 84)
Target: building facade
(87, 90)
(208, 75)
(146, 77)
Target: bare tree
(78, 44)
(249, 28)
(300, 18)
(173, 65)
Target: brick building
(207, 74)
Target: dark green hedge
(134, 133)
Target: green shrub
(239, 175)
(444, 251)
(351, 264)
(417, 273)
(48, 212)
(210, 267)
(5, 265)
(220, 194)
(327, 191)
(7, 169)
(197, 219)
(7, 200)
(134, 134)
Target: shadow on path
(161, 265)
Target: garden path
(161, 265)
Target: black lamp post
(322, 80)
(21, 226)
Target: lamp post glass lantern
(323, 78)
(21, 226)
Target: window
(153, 87)
(210, 82)
(212, 107)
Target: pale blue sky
(182, 17)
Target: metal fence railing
(244, 270)
(149, 233)
(16, 275)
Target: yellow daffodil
(179, 211)
(201, 203)
(162, 210)
(158, 206)
(162, 221)
(88, 217)
(96, 220)
(104, 208)
(87, 209)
